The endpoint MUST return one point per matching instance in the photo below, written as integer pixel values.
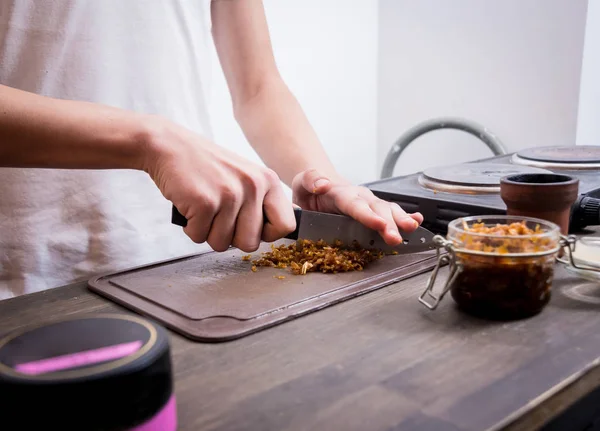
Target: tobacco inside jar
(505, 265)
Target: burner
(573, 157)
(445, 193)
(480, 178)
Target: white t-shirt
(60, 226)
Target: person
(104, 124)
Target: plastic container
(498, 272)
(99, 372)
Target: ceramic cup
(545, 196)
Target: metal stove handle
(410, 135)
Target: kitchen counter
(377, 362)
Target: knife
(313, 225)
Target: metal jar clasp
(569, 243)
(447, 258)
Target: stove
(445, 193)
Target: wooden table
(378, 362)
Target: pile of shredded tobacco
(513, 229)
(310, 256)
(504, 238)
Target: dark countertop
(380, 361)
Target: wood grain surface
(381, 361)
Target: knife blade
(313, 225)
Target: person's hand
(223, 196)
(314, 192)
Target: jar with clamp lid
(501, 267)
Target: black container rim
(557, 179)
(115, 394)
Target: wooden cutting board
(216, 297)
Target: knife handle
(178, 219)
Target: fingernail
(321, 183)
(411, 220)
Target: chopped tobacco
(310, 256)
(504, 238)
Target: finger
(403, 220)
(279, 213)
(197, 228)
(249, 226)
(198, 225)
(315, 183)
(222, 229)
(418, 217)
(359, 209)
(390, 233)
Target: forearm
(266, 110)
(42, 132)
(279, 131)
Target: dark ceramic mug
(545, 196)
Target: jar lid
(95, 372)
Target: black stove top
(445, 193)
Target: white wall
(327, 53)
(588, 125)
(367, 70)
(511, 65)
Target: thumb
(315, 183)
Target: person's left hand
(315, 192)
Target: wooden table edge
(554, 402)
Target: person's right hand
(223, 196)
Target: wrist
(150, 137)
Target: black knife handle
(298, 216)
(178, 219)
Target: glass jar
(501, 267)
